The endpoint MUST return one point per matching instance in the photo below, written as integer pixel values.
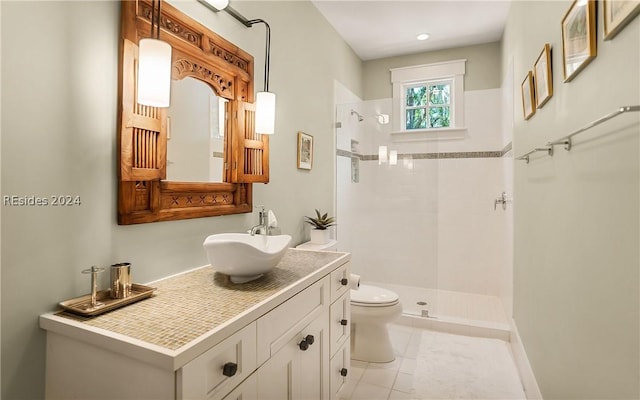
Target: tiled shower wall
(428, 221)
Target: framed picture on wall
(617, 14)
(578, 37)
(542, 77)
(305, 151)
(528, 96)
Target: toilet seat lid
(373, 295)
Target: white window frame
(403, 78)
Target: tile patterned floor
(437, 365)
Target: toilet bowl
(372, 308)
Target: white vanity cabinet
(292, 344)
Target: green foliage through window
(428, 106)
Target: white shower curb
(527, 376)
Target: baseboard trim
(527, 377)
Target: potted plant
(320, 223)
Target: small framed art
(542, 77)
(578, 37)
(305, 151)
(528, 96)
(617, 14)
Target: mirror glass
(195, 132)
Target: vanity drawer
(213, 374)
(278, 326)
(340, 281)
(340, 322)
(340, 369)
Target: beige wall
(483, 68)
(59, 99)
(577, 214)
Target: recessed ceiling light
(423, 36)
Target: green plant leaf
(321, 221)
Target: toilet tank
(332, 245)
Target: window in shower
(428, 105)
(428, 98)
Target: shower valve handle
(503, 199)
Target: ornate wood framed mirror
(144, 194)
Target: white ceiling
(384, 28)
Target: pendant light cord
(267, 54)
(155, 18)
(249, 23)
(158, 17)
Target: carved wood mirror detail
(144, 194)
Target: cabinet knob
(344, 322)
(229, 369)
(306, 342)
(344, 281)
(343, 372)
(310, 339)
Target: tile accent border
(431, 156)
(507, 148)
(345, 153)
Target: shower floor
(454, 312)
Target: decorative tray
(82, 305)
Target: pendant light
(265, 100)
(154, 65)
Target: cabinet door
(276, 376)
(293, 373)
(340, 322)
(312, 372)
(339, 375)
(285, 322)
(247, 390)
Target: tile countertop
(193, 311)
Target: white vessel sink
(244, 257)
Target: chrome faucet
(263, 225)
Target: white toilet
(372, 308)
